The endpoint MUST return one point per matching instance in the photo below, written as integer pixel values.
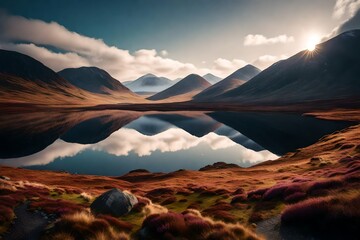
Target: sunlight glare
(312, 40)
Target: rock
(114, 202)
(5, 178)
(219, 165)
(316, 160)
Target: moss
(135, 219)
(72, 197)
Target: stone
(114, 202)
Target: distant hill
(149, 83)
(27, 68)
(234, 80)
(330, 72)
(93, 79)
(23, 79)
(211, 78)
(184, 89)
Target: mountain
(234, 80)
(149, 83)
(184, 89)
(27, 68)
(23, 79)
(277, 132)
(211, 78)
(331, 72)
(93, 79)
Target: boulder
(114, 202)
(5, 178)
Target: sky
(170, 38)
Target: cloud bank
(258, 39)
(38, 39)
(345, 8)
(349, 12)
(124, 141)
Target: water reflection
(115, 142)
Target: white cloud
(345, 8)
(349, 12)
(222, 64)
(79, 50)
(164, 53)
(59, 149)
(124, 141)
(258, 39)
(267, 60)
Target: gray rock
(5, 178)
(114, 202)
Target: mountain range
(184, 90)
(211, 78)
(93, 79)
(234, 80)
(149, 83)
(330, 72)
(23, 79)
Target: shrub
(256, 194)
(338, 215)
(238, 191)
(295, 197)
(58, 206)
(169, 200)
(191, 225)
(83, 225)
(276, 192)
(239, 199)
(325, 185)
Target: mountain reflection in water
(115, 142)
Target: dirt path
(27, 225)
(271, 230)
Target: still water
(116, 142)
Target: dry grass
(191, 225)
(83, 225)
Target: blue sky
(197, 32)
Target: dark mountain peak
(330, 72)
(149, 83)
(209, 75)
(234, 80)
(191, 83)
(211, 78)
(149, 75)
(194, 78)
(93, 79)
(245, 73)
(20, 65)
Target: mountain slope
(149, 83)
(25, 80)
(331, 72)
(183, 90)
(211, 78)
(234, 80)
(22, 66)
(93, 79)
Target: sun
(312, 41)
